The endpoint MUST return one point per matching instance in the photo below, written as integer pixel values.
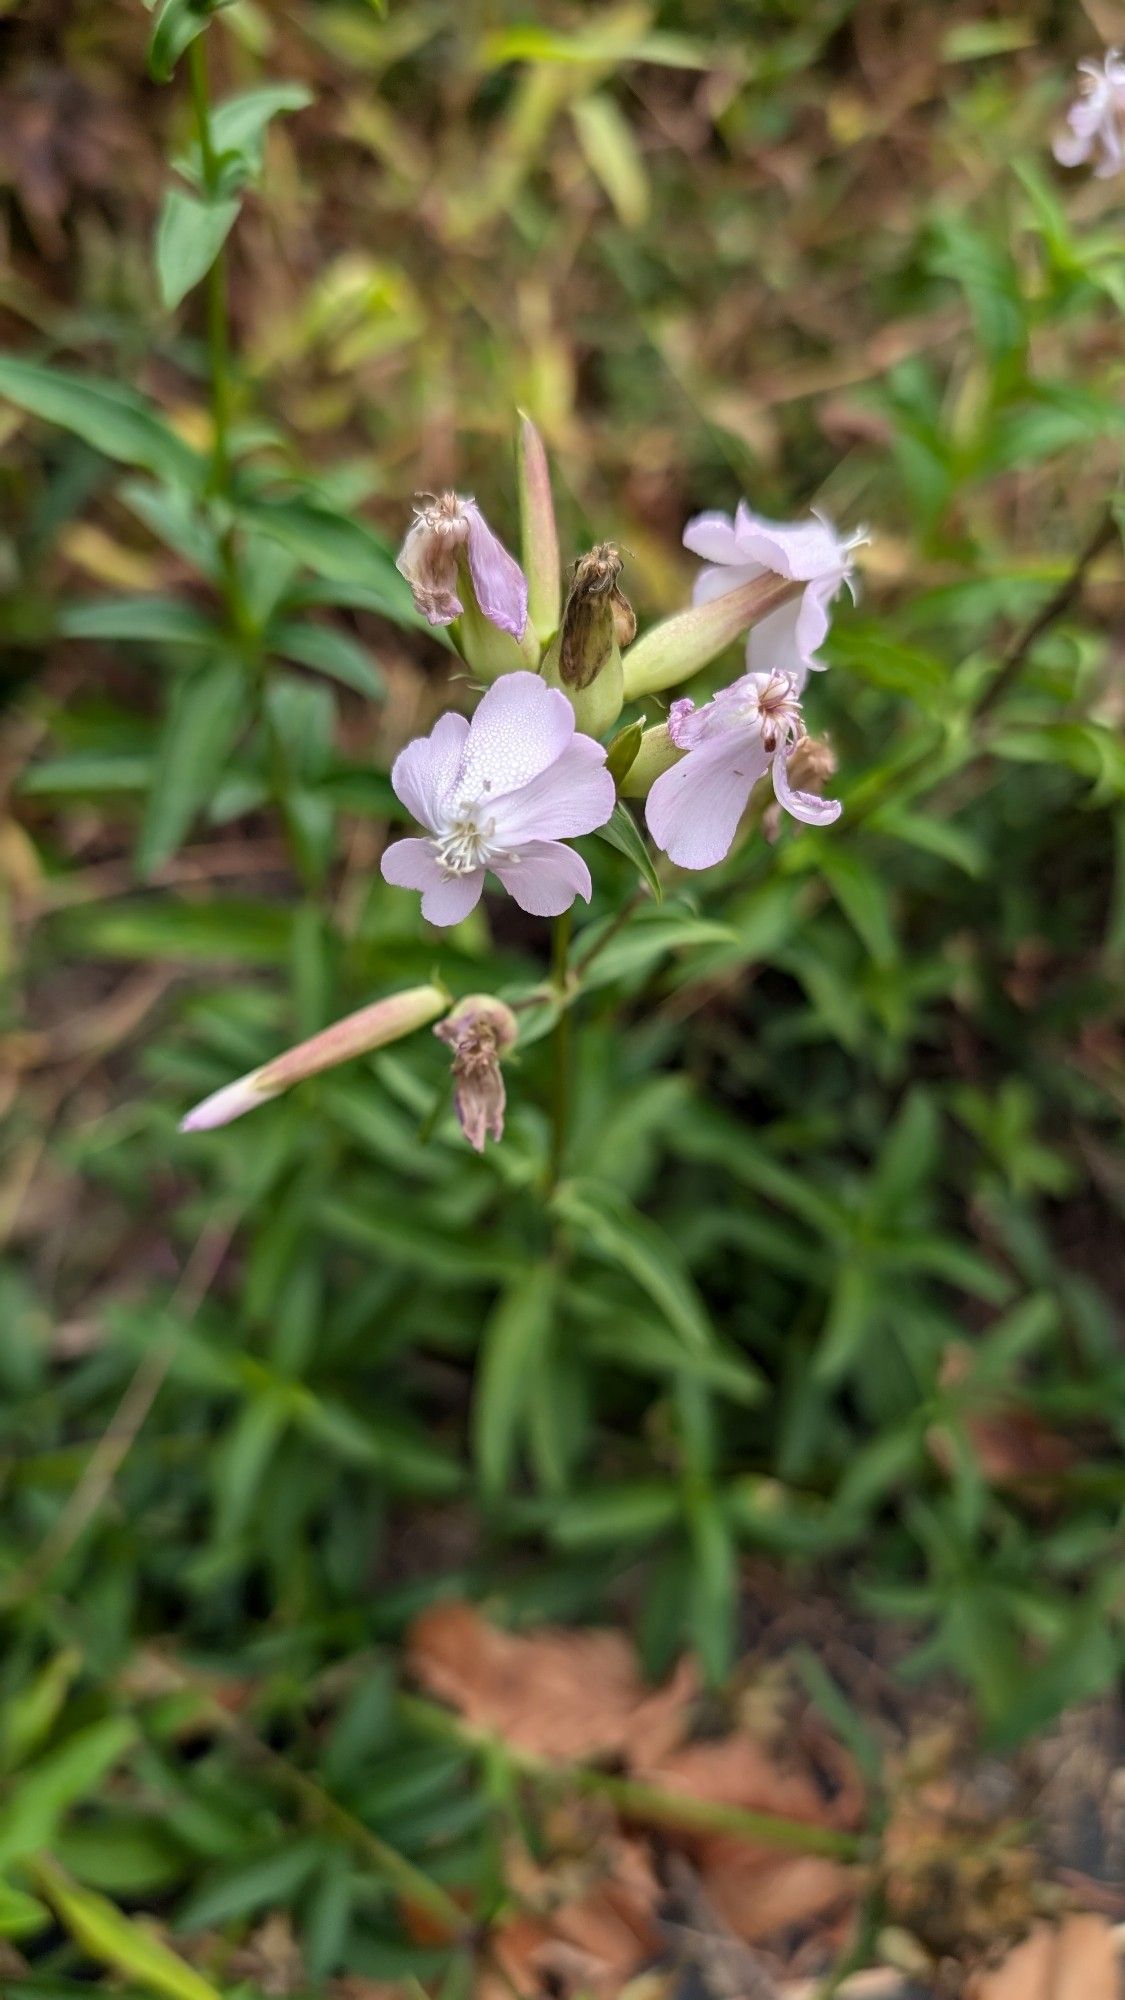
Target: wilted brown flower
(479, 1030)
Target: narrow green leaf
(38, 1800)
(190, 233)
(334, 546)
(606, 1223)
(106, 1935)
(621, 831)
(162, 620)
(206, 712)
(328, 651)
(511, 1348)
(114, 420)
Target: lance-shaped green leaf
(539, 535)
(189, 237)
(177, 24)
(676, 649)
(113, 420)
(621, 831)
(111, 1938)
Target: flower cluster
(503, 792)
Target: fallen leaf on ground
(1073, 1960)
(572, 1937)
(757, 1891)
(556, 1694)
(1012, 1444)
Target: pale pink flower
(500, 793)
(810, 552)
(745, 730)
(1097, 118)
(449, 539)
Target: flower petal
(521, 727)
(544, 877)
(788, 639)
(426, 770)
(803, 805)
(498, 580)
(799, 550)
(711, 583)
(713, 537)
(573, 795)
(693, 810)
(446, 898)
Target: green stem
(218, 326)
(639, 1800)
(560, 1046)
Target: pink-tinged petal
(225, 1105)
(712, 583)
(799, 550)
(693, 810)
(446, 898)
(498, 580)
(712, 536)
(544, 877)
(573, 795)
(426, 770)
(787, 641)
(520, 728)
(802, 805)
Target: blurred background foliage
(833, 1281)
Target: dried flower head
(450, 552)
(598, 616)
(479, 1030)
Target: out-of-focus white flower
(739, 551)
(1096, 118)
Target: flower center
(776, 708)
(466, 843)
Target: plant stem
(635, 1798)
(218, 329)
(560, 1082)
(218, 354)
(1105, 534)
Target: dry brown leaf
(1073, 1960)
(756, 1891)
(1013, 1445)
(591, 1943)
(760, 1896)
(561, 1695)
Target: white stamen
(466, 842)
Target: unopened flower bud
(479, 1030)
(657, 753)
(369, 1028)
(675, 649)
(539, 536)
(585, 660)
